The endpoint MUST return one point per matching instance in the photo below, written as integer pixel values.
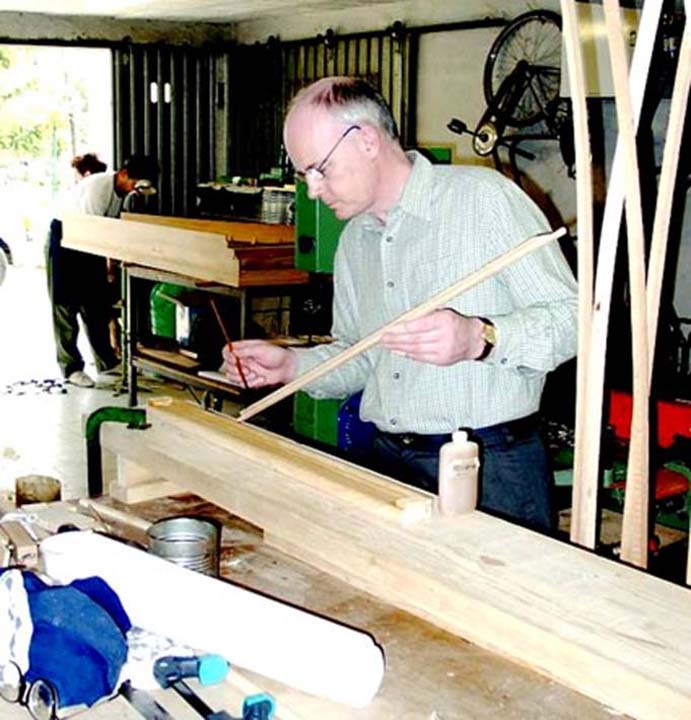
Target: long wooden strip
(584, 495)
(665, 198)
(634, 535)
(194, 253)
(538, 601)
(665, 191)
(381, 495)
(435, 302)
(590, 439)
(249, 233)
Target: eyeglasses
(39, 697)
(317, 172)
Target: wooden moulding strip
(665, 198)
(634, 534)
(588, 442)
(606, 630)
(376, 493)
(584, 502)
(192, 253)
(249, 233)
(665, 195)
(435, 302)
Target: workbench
(604, 629)
(431, 674)
(242, 260)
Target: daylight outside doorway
(55, 102)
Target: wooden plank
(171, 357)
(376, 493)
(193, 253)
(243, 233)
(589, 439)
(584, 496)
(436, 301)
(634, 534)
(665, 192)
(204, 256)
(604, 629)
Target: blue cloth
(78, 642)
(515, 481)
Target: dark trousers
(78, 286)
(515, 481)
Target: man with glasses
(415, 229)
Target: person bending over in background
(414, 229)
(78, 281)
(87, 164)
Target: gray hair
(351, 100)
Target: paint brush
(238, 364)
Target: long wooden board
(249, 233)
(584, 502)
(606, 630)
(634, 534)
(438, 300)
(192, 253)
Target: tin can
(186, 541)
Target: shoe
(115, 370)
(80, 379)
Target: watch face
(489, 333)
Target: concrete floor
(42, 432)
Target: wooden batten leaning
(645, 293)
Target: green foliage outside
(55, 103)
(40, 106)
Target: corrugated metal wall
(164, 106)
(178, 104)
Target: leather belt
(517, 429)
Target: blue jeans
(515, 481)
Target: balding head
(350, 100)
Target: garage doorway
(55, 103)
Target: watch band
(489, 335)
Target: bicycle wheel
(535, 39)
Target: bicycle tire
(511, 46)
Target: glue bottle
(458, 475)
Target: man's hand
(262, 363)
(442, 337)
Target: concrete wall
(34, 27)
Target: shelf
(185, 377)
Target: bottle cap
(459, 436)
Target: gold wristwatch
(489, 335)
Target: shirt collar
(415, 198)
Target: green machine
(317, 230)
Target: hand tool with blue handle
(172, 671)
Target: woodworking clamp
(171, 672)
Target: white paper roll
(279, 641)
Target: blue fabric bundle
(78, 642)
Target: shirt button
(389, 239)
(504, 361)
(393, 422)
(389, 283)
(396, 375)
